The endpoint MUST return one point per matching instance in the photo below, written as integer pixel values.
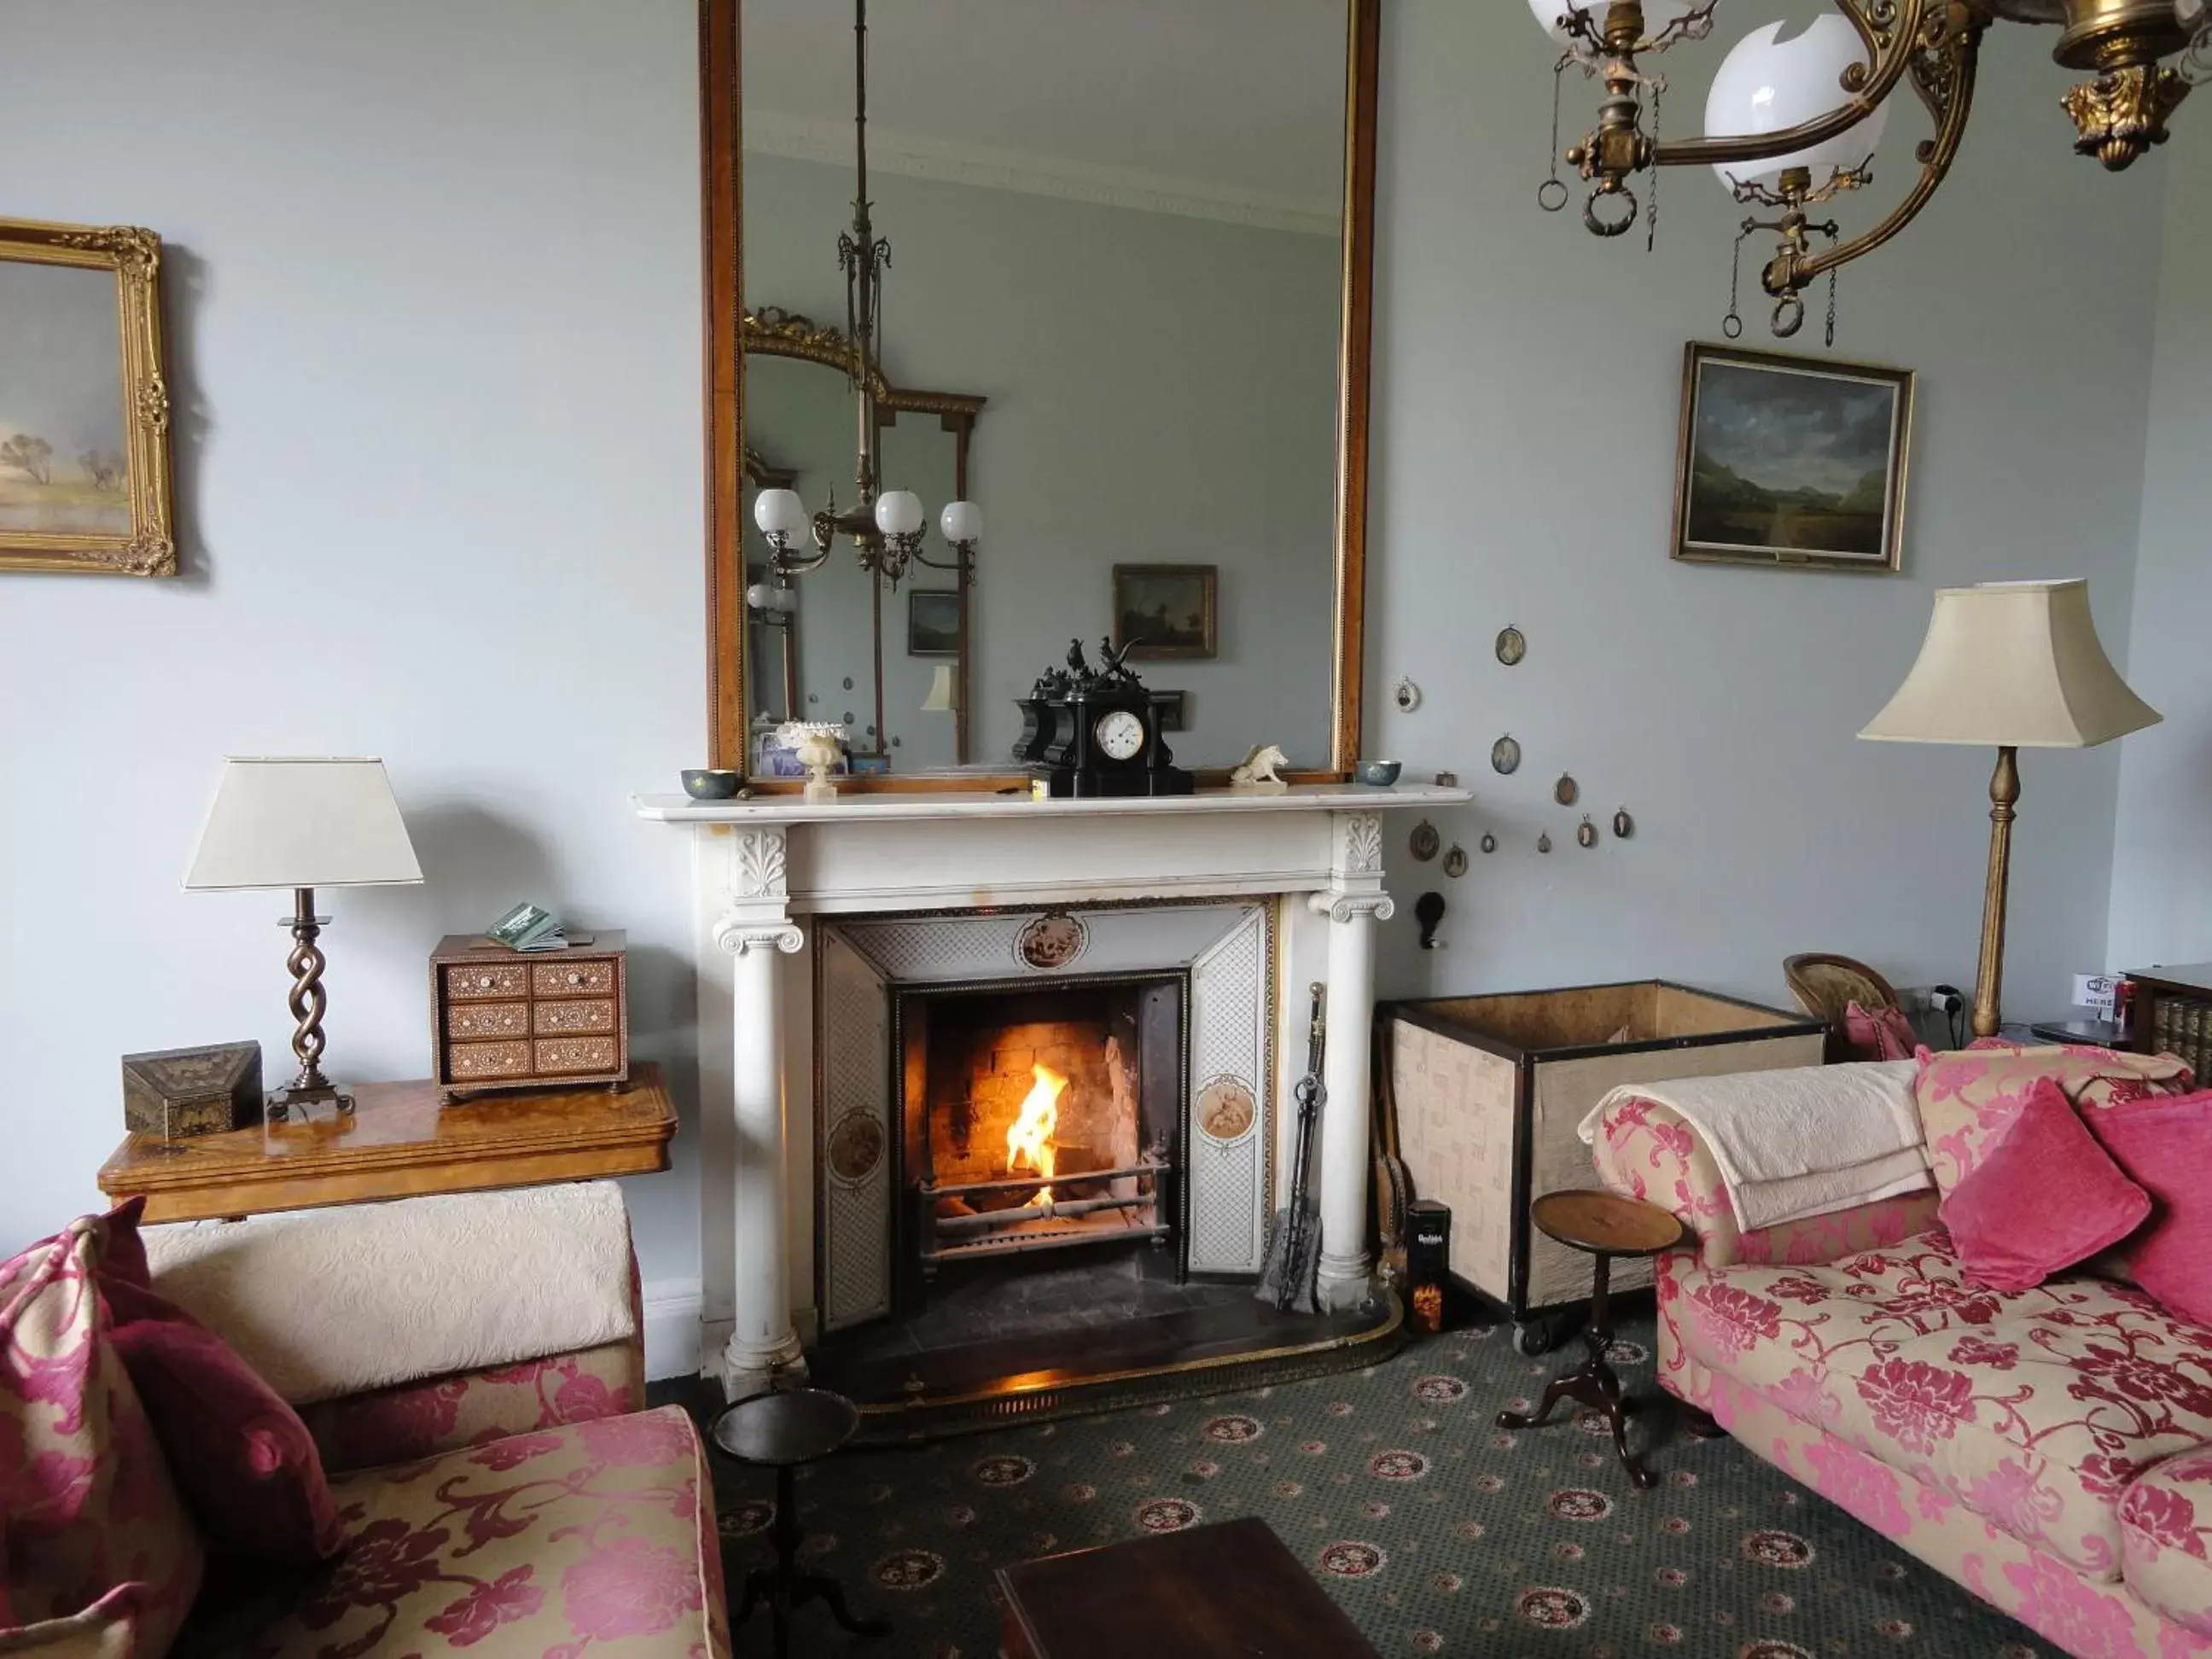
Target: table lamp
(2012, 665)
(941, 699)
(304, 824)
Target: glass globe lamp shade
(961, 521)
(1767, 84)
(898, 513)
(1657, 15)
(780, 513)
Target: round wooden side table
(1603, 1225)
(781, 1431)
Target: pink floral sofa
(530, 1509)
(2050, 1449)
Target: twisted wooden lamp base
(310, 1089)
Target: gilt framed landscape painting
(84, 407)
(1793, 462)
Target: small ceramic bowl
(1379, 773)
(706, 785)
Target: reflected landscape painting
(64, 460)
(1165, 611)
(1791, 461)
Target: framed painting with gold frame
(1794, 463)
(84, 404)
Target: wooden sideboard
(400, 1143)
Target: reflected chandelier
(884, 525)
(1791, 124)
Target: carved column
(1354, 902)
(758, 932)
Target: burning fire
(1030, 1145)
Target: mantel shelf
(892, 808)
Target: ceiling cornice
(805, 139)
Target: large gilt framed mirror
(1138, 240)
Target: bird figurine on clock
(1107, 734)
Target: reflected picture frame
(933, 622)
(1167, 612)
(85, 487)
(1791, 463)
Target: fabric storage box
(1484, 1095)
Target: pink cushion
(2166, 1143)
(97, 1552)
(1878, 1033)
(243, 1461)
(2045, 1197)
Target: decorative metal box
(172, 1093)
(1483, 1097)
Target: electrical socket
(1918, 999)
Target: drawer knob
(484, 984)
(576, 978)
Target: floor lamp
(2009, 665)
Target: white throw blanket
(1797, 1144)
(325, 1302)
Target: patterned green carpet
(1437, 1531)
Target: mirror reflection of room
(1108, 317)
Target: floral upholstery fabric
(99, 1556)
(2165, 1524)
(416, 1420)
(1647, 1152)
(1968, 1099)
(2036, 1409)
(594, 1541)
(2076, 1614)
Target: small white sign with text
(2097, 992)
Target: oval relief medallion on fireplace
(1225, 1109)
(856, 1146)
(1052, 940)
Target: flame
(1028, 1138)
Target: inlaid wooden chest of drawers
(505, 1019)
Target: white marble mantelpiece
(770, 873)
(916, 806)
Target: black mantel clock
(1089, 732)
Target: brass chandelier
(884, 525)
(1792, 125)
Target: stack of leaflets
(529, 927)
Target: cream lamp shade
(309, 822)
(939, 700)
(2012, 665)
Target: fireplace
(1036, 1122)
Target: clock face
(1119, 735)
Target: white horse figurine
(1256, 775)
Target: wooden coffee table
(399, 1143)
(1204, 1593)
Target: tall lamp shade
(2009, 665)
(304, 822)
